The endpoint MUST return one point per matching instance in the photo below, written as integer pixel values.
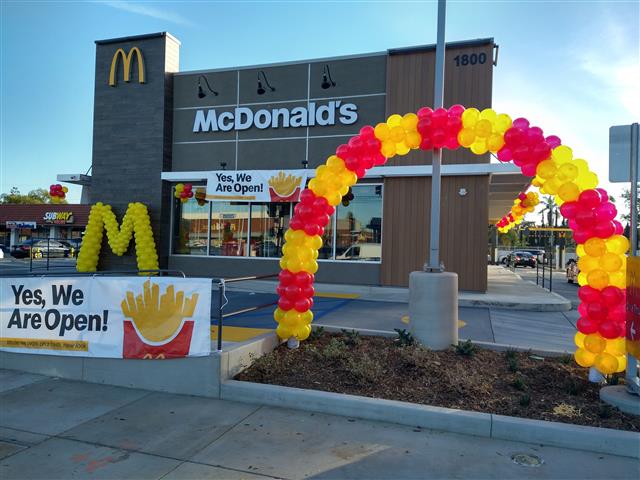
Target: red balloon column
(591, 216)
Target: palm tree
(552, 210)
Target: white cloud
(147, 11)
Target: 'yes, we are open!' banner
(116, 317)
(256, 185)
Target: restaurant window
(359, 225)
(192, 225)
(269, 222)
(229, 229)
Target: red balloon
(606, 211)
(292, 292)
(367, 131)
(611, 296)
(529, 169)
(618, 313)
(619, 229)
(604, 229)
(296, 224)
(586, 218)
(303, 279)
(582, 309)
(582, 235)
(286, 277)
(596, 311)
(590, 198)
(312, 229)
(603, 194)
(285, 304)
(610, 330)
(589, 294)
(569, 209)
(456, 110)
(280, 290)
(302, 304)
(586, 325)
(308, 291)
(424, 112)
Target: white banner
(115, 317)
(256, 185)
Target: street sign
(620, 142)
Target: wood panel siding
(463, 229)
(410, 84)
(407, 201)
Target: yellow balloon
(606, 364)
(314, 242)
(310, 266)
(397, 134)
(292, 318)
(278, 315)
(394, 120)
(470, 117)
(617, 244)
(294, 265)
(595, 247)
(568, 171)
(580, 251)
(284, 332)
(482, 128)
(413, 139)
(552, 185)
(388, 148)
(479, 146)
(409, 121)
(466, 137)
(584, 357)
(618, 279)
(306, 317)
(569, 192)
(335, 162)
(546, 169)
(382, 131)
(615, 346)
(562, 154)
(579, 339)
(598, 279)
(595, 343)
(588, 263)
(610, 262)
(402, 148)
(302, 332)
(502, 123)
(582, 279)
(495, 142)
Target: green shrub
(352, 337)
(405, 338)
(466, 349)
(525, 400)
(519, 384)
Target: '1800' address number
(473, 59)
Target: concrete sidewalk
(505, 289)
(53, 429)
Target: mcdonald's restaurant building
(156, 127)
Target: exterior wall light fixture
(201, 92)
(261, 89)
(327, 81)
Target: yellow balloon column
(135, 222)
(601, 246)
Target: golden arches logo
(126, 61)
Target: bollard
(433, 308)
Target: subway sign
(244, 118)
(58, 217)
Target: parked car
(21, 250)
(572, 271)
(520, 259)
(362, 251)
(50, 248)
(4, 251)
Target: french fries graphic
(284, 185)
(158, 317)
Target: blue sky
(572, 68)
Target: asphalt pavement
(58, 429)
(559, 283)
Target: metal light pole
(433, 264)
(632, 364)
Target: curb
(576, 437)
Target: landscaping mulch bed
(507, 383)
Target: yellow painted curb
(237, 334)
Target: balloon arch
(600, 244)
